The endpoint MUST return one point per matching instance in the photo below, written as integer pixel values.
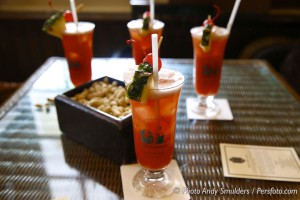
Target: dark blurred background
(267, 29)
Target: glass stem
(202, 101)
(154, 175)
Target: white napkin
(129, 171)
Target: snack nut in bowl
(98, 115)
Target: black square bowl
(104, 134)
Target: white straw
(233, 14)
(151, 10)
(155, 59)
(74, 12)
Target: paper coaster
(129, 171)
(225, 113)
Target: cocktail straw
(233, 14)
(74, 12)
(152, 10)
(155, 59)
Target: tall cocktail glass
(78, 48)
(154, 126)
(142, 40)
(207, 68)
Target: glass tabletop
(37, 161)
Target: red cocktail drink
(209, 42)
(154, 120)
(154, 107)
(141, 45)
(78, 47)
(208, 64)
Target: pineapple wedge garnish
(138, 88)
(55, 25)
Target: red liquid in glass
(78, 48)
(154, 127)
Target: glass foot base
(154, 184)
(207, 108)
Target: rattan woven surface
(38, 162)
